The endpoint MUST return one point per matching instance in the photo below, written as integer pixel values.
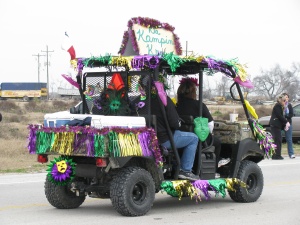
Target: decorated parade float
(107, 147)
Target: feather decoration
(70, 80)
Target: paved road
(22, 201)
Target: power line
(38, 57)
(47, 54)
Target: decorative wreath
(113, 102)
(61, 170)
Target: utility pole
(47, 54)
(38, 58)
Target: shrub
(60, 105)
(9, 106)
(31, 106)
(263, 111)
(14, 119)
(241, 114)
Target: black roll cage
(187, 68)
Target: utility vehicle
(107, 146)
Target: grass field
(18, 115)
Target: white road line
(279, 164)
(25, 182)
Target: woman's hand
(287, 126)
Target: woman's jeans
(189, 142)
(289, 140)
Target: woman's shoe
(223, 162)
(277, 157)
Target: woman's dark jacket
(290, 114)
(172, 117)
(277, 119)
(189, 106)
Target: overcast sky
(259, 33)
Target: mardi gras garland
(265, 139)
(180, 188)
(61, 171)
(93, 142)
(141, 62)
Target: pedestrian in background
(277, 123)
(289, 113)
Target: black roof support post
(85, 106)
(170, 134)
(200, 98)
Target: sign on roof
(150, 37)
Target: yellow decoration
(200, 59)
(122, 61)
(61, 166)
(129, 145)
(174, 100)
(74, 64)
(184, 187)
(231, 182)
(241, 72)
(251, 109)
(63, 143)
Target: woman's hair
(286, 94)
(187, 89)
(280, 97)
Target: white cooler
(99, 121)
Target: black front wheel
(251, 174)
(132, 191)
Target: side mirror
(75, 110)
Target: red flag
(68, 46)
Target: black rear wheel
(62, 197)
(251, 174)
(132, 191)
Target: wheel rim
(251, 183)
(139, 192)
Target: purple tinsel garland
(203, 186)
(144, 139)
(80, 64)
(139, 62)
(219, 66)
(32, 139)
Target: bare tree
(207, 90)
(223, 86)
(276, 81)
